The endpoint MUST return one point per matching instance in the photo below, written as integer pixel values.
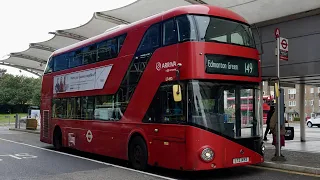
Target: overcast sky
(29, 21)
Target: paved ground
(311, 145)
(299, 153)
(296, 158)
(24, 157)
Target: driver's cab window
(220, 38)
(236, 38)
(163, 108)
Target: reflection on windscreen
(232, 110)
(226, 31)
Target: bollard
(17, 121)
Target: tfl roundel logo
(158, 66)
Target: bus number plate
(240, 160)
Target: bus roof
(190, 9)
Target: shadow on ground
(230, 173)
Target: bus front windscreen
(212, 29)
(208, 108)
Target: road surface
(24, 157)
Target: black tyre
(309, 124)
(57, 139)
(138, 153)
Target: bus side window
(59, 108)
(105, 108)
(151, 39)
(49, 67)
(172, 112)
(86, 56)
(153, 114)
(87, 108)
(114, 47)
(163, 108)
(107, 49)
(55, 103)
(72, 108)
(170, 35)
(60, 62)
(74, 59)
(121, 40)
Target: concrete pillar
(302, 114)
(268, 89)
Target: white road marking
(13, 156)
(18, 156)
(100, 162)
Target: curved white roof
(34, 58)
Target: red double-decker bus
(155, 92)
(246, 107)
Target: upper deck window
(75, 59)
(212, 29)
(60, 62)
(100, 51)
(169, 33)
(186, 28)
(49, 67)
(151, 39)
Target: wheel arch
(134, 133)
(57, 127)
(309, 121)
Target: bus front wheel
(138, 153)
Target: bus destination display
(230, 65)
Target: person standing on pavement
(274, 130)
(269, 115)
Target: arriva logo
(165, 65)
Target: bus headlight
(207, 154)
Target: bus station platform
(300, 156)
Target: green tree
(19, 90)
(36, 95)
(7, 91)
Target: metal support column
(278, 146)
(277, 86)
(278, 110)
(302, 113)
(261, 107)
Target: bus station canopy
(254, 11)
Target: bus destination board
(231, 65)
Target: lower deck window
(103, 107)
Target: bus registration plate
(240, 160)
